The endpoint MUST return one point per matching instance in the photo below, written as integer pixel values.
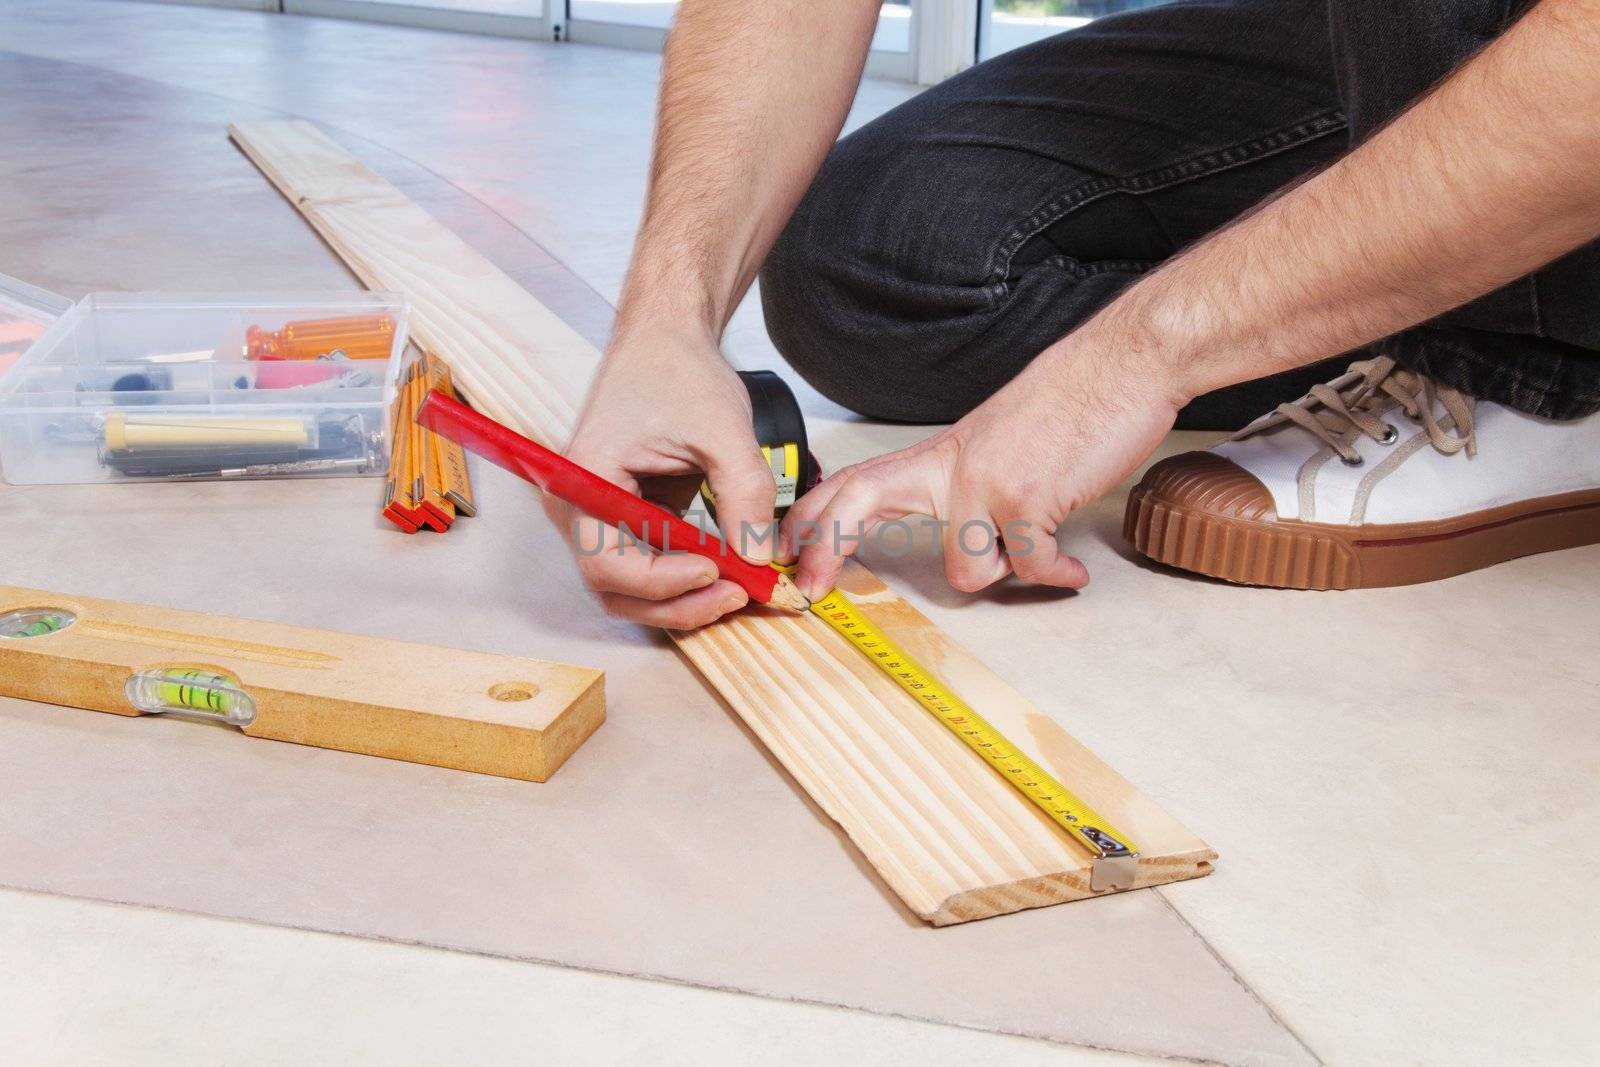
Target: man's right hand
(752, 97)
(668, 407)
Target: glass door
(644, 24)
(1008, 24)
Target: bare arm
(1493, 174)
(752, 97)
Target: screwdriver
(357, 336)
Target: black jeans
(946, 244)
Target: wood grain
(950, 838)
(471, 711)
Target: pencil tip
(788, 595)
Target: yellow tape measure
(788, 474)
(1115, 856)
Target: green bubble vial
(193, 692)
(34, 622)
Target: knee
(847, 307)
(812, 312)
(845, 340)
(798, 298)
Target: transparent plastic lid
(26, 312)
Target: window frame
(945, 36)
(943, 33)
(491, 24)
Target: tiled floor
(1400, 782)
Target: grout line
(1237, 977)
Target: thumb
(746, 495)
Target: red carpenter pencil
(600, 499)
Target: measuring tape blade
(1115, 855)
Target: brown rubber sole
(1288, 554)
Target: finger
(561, 514)
(868, 497)
(973, 559)
(686, 612)
(800, 522)
(835, 539)
(586, 535)
(923, 470)
(629, 570)
(746, 495)
(612, 560)
(577, 526)
(1037, 558)
(625, 474)
(972, 556)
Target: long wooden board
(472, 711)
(947, 835)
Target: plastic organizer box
(144, 387)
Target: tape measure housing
(780, 430)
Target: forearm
(752, 97)
(1489, 177)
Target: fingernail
(734, 603)
(705, 579)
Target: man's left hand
(1072, 425)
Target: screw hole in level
(511, 692)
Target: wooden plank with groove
(951, 838)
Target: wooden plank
(947, 835)
(471, 711)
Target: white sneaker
(1380, 477)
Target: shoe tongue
(1372, 400)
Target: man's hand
(1073, 424)
(752, 97)
(672, 408)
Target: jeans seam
(1081, 270)
(1205, 164)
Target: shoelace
(1338, 410)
